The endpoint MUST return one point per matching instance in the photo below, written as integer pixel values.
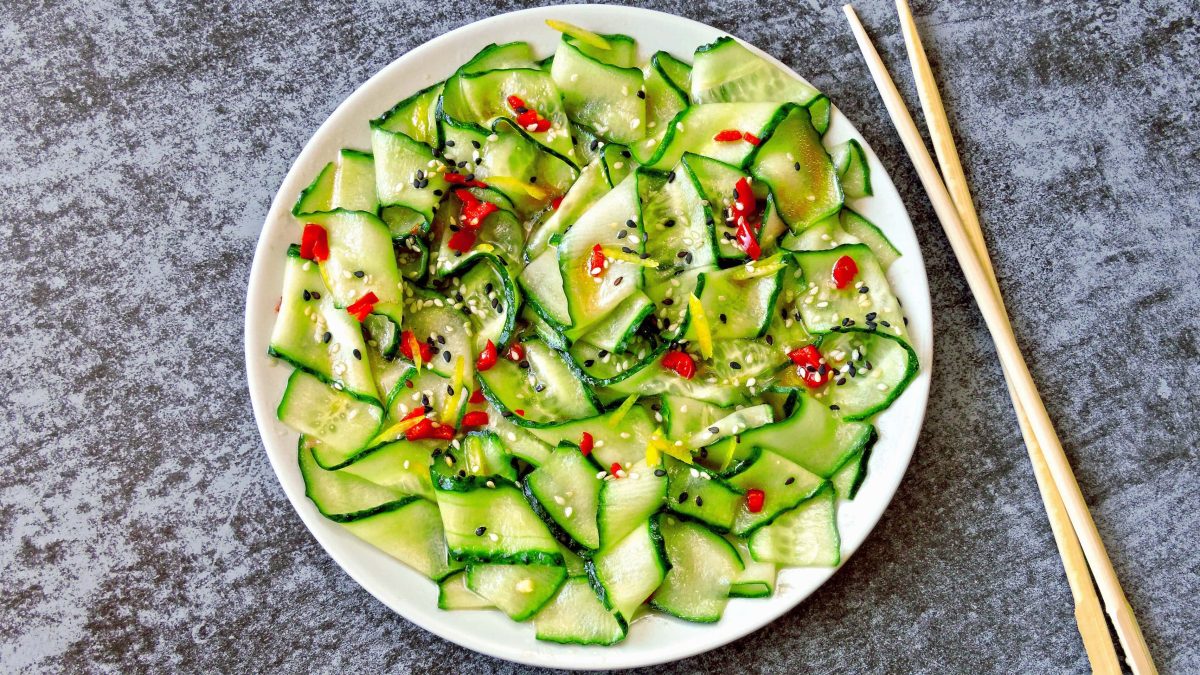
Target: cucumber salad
(583, 337)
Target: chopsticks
(1057, 483)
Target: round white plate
(655, 638)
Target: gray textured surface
(141, 527)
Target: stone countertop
(142, 529)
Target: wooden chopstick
(991, 306)
(1088, 614)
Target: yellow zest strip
(511, 183)
(578, 33)
(395, 431)
(485, 248)
(414, 346)
(700, 321)
(679, 452)
(620, 413)
(614, 253)
(653, 455)
(759, 268)
(450, 412)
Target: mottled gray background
(141, 527)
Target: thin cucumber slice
(342, 423)
(572, 561)
(849, 478)
(402, 172)
(500, 237)
(518, 441)
(736, 422)
(347, 184)
(757, 579)
(307, 315)
(584, 192)
(821, 111)
(545, 393)
(390, 376)
(737, 308)
(693, 130)
(490, 299)
(543, 284)
(853, 171)
(605, 97)
(433, 319)
(715, 180)
(615, 331)
(848, 228)
(813, 437)
(592, 293)
(703, 568)
(708, 384)
(567, 488)
(626, 573)
(787, 331)
(343, 497)
(412, 534)
(360, 260)
(577, 616)
(318, 195)
(678, 220)
(621, 441)
(784, 484)
(621, 52)
(508, 529)
(670, 298)
(697, 492)
(625, 503)
(827, 309)
(414, 116)
(618, 164)
(517, 590)
(806, 536)
(870, 370)
(404, 223)
(726, 71)
(801, 176)
(601, 367)
(683, 416)
(401, 465)
(486, 97)
(426, 388)
(868, 233)
(664, 100)
(454, 594)
(481, 454)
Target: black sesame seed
(703, 453)
(622, 234)
(630, 224)
(841, 381)
(475, 144)
(660, 473)
(470, 177)
(603, 353)
(446, 356)
(822, 369)
(357, 354)
(360, 274)
(316, 295)
(589, 363)
(905, 321)
(714, 430)
(770, 339)
(441, 339)
(540, 388)
(626, 249)
(681, 254)
(450, 144)
(723, 318)
(437, 193)
(885, 324)
(699, 500)
(640, 94)
(307, 296)
(683, 497)
(835, 407)
(625, 154)
(796, 166)
(871, 316)
(847, 322)
(670, 176)
(327, 337)
(462, 164)
(668, 302)
(479, 531)
(594, 144)
(688, 258)
(735, 365)
(863, 289)
(790, 480)
(852, 370)
(449, 390)
(524, 365)
(669, 222)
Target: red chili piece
(744, 203)
(596, 260)
(680, 362)
(363, 307)
(417, 412)
(808, 359)
(474, 211)
(476, 396)
(516, 352)
(586, 444)
(556, 202)
(728, 136)
(314, 243)
(462, 241)
(487, 359)
(844, 271)
(527, 118)
(754, 500)
(475, 418)
(746, 239)
(407, 340)
(427, 429)
(515, 102)
(616, 466)
(751, 138)
(520, 412)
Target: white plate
(655, 638)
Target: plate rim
(442, 623)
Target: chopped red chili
(556, 202)
(754, 500)
(520, 412)
(527, 118)
(751, 138)
(728, 136)
(362, 308)
(680, 362)
(746, 239)
(487, 357)
(455, 178)
(515, 102)
(516, 352)
(844, 271)
(542, 124)
(616, 466)
(595, 264)
(429, 429)
(811, 370)
(408, 341)
(476, 396)
(744, 204)
(474, 210)
(475, 418)
(586, 444)
(314, 243)
(462, 241)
